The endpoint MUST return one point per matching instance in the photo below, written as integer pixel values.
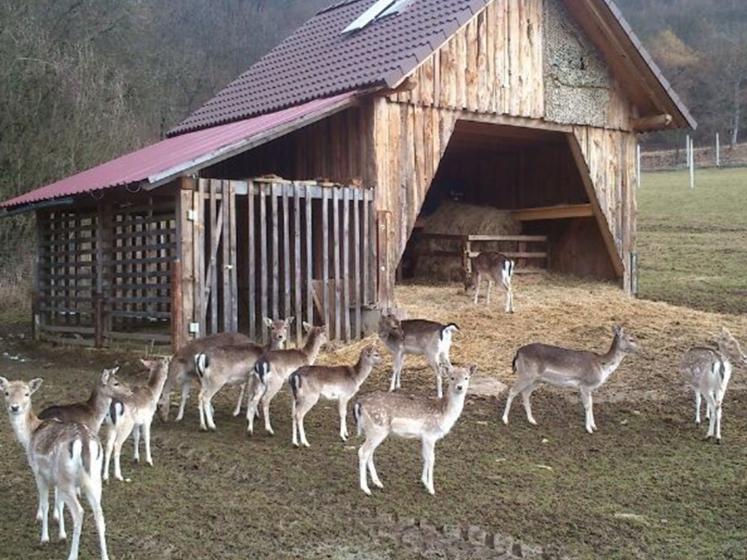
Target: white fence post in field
(692, 164)
(638, 166)
(718, 151)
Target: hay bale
(458, 219)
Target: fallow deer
(417, 337)
(495, 268)
(92, 412)
(273, 370)
(129, 415)
(337, 383)
(427, 419)
(66, 456)
(535, 364)
(708, 371)
(218, 367)
(182, 368)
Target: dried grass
(459, 219)
(563, 311)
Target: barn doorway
(509, 189)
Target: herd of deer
(66, 455)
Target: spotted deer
(273, 370)
(91, 413)
(496, 269)
(535, 364)
(182, 368)
(338, 383)
(66, 456)
(708, 371)
(420, 338)
(380, 414)
(130, 415)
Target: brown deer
(66, 456)
(417, 337)
(131, 414)
(496, 269)
(338, 383)
(535, 364)
(429, 420)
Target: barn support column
(104, 243)
(182, 268)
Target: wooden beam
(652, 122)
(559, 212)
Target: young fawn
(420, 338)
(66, 456)
(130, 414)
(535, 364)
(429, 420)
(708, 371)
(338, 383)
(496, 269)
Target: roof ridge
(336, 5)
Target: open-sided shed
(371, 108)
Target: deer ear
(268, 322)
(4, 383)
(147, 363)
(289, 320)
(35, 383)
(307, 326)
(472, 369)
(617, 330)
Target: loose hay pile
(455, 218)
(562, 311)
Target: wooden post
(104, 231)
(182, 272)
(336, 260)
(309, 262)
(36, 315)
(225, 271)
(357, 260)
(275, 252)
(384, 273)
(263, 269)
(718, 151)
(346, 261)
(252, 264)
(297, 309)
(692, 164)
(286, 253)
(234, 272)
(215, 237)
(325, 257)
(638, 166)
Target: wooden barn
(297, 188)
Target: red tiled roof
(318, 60)
(174, 156)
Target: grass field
(693, 243)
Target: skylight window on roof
(379, 9)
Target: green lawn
(693, 243)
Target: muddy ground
(645, 486)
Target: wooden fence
(103, 273)
(276, 248)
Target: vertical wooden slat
(214, 242)
(366, 251)
(336, 256)
(199, 256)
(275, 252)
(234, 300)
(325, 256)
(250, 235)
(263, 269)
(184, 252)
(346, 261)
(297, 286)
(309, 262)
(286, 253)
(224, 272)
(357, 260)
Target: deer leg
(586, 399)
(123, 432)
(304, 408)
(43, 512)
(342, 406)
(525, 395)
(237, 410)
(591, 411)
(266, 400)
(59, 515)
(697, 407)
(186, 386)
(111, 436)
(433, 361)
(397, 372)
(516, 389)
(146, 436)
(490, 287)
(207, 401)
(428, 462)
(477, 287)
(136, 442)
(76, 512)
(253, 397)
(294, 422)
(366, 465)
(717, 413)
